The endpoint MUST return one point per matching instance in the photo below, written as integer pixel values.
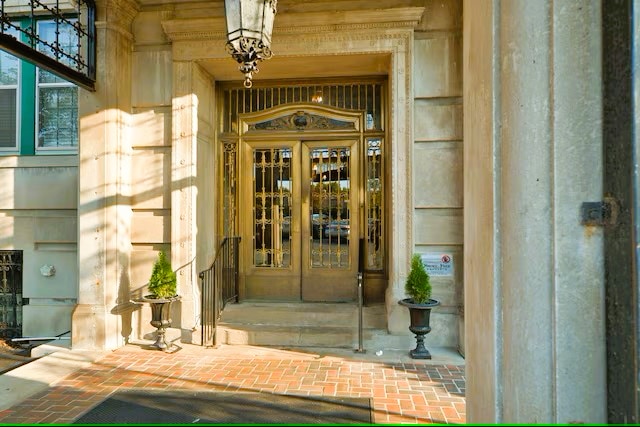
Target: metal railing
(219, 286)
(11, 300)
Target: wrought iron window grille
(76, 63)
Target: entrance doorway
(302, 182)
(302, 219)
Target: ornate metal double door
(301, 219)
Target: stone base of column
(94, 327)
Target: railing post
(360, 349)
(236, 266)
(361, 259)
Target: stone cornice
(301, 23)
(117, 13)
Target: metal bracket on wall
(603, 213)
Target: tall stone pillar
(534, 282)
(193, 172)
(103, 204)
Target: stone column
(103, 202)
(192, 177)
(533, 153)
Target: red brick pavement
(401, 392)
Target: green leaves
(418, 284)
(162, 283)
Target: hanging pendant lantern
(249, 28)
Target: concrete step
(292, 336)
(304, 314)
(298, 324)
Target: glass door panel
(329, 212)
(272, 213)
(271, 221)
(329, 259)
(300, 220)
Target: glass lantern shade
(249, 28)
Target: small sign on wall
(438, 264)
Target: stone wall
(437, 149)
(38, 215)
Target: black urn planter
(420, 316)
(160, 318)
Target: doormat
(188, 407)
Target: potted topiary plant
(419, 303)
(163, 291)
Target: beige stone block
(438, 174)
(32, 188)
(17, 230)
(436, 121)
(151, 78)
(7, 195)
(151, 227)
(151, 127)
(150, 175)
(8, 238)
(438, 227)
(147, 27)
(46, 320)
(203, 88)
(441, 15)
(438, 67)
(62, 284)
(444, 329)
(56, 229)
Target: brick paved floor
(417, 392)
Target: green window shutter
(27, 101)
(28, 109)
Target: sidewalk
(62, 386)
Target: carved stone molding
(301, 23)
(302, 120)
(116, 14)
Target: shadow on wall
(125, 302)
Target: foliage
(418, 284)
(163, 283)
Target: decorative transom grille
(366, 97)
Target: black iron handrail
(219, 286)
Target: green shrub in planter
(163, 282)
(418, 284)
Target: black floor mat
(187, 407)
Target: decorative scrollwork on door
(272, 213)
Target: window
(47, 104)
(57, 99)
